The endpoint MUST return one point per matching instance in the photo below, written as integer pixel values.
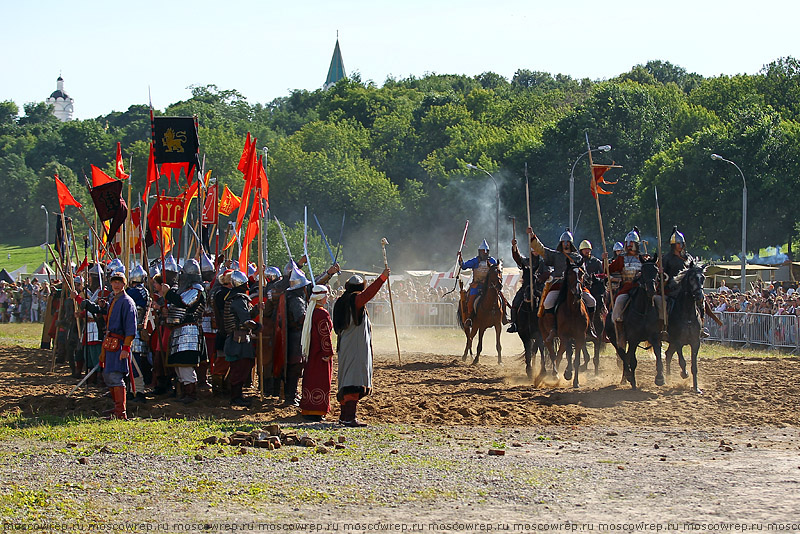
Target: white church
(62, 103)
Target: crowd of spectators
(23, 302)
(763, 297)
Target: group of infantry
(167, 332)
(624, 269)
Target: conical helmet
(115, 265)
(633, 236)
(138, 274)
(676, 237)
(170, 269)
(585, 244)
(566, 236)
(238, 278)
(206, 267)
(272, 273)
(297, 279)
(618, 246)
(484, 246)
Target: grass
(12, 257)
(26, 335)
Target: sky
(111, 54)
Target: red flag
(169, 214)
(251, 233)
(136, 221)
(65, 198)
(153, 222)
(170, 169)
(597, 178)
(210, 215)
(120, 170)
(152, 173)
(99, 177)
(264, 183)
(228, 202)
(242, 166)
(250, 178)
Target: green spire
(336, 70)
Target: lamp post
(717, 157)
(47, 231)
(601, 148)
(496, 209)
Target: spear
(530, 250)
(660, 264)
(457, 269)
(385, 242)
(600, 219)
(305, 242)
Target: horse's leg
(682, 362)
(695, 349)
(527, 342)
(586, 357)
(480, 346)
(659, 363)
(598, 346)
(580, 346)
(570, 353)
(668, 357)
(630, 364)
(498, 329)
(468, 347)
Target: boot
(513, 328)
(664, 333)
(276, 387)
(591, 331)
(348, 413)
(78, 372)
(164, 386)
(217, 385)
(119, 395)
(620, 331)
(551, 335)
(189, 393)
(202, 376)
(354, 422)
(237, 399)
(290, 392)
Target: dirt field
(602, 454)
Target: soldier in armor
(208, 322)
(140, 350)
(557, 259)
(524, 292)
(591, 264)
(480, 270)
(630, 265)
(239, 328)
(185, 306)
(295, 316)
(616, 278)
(159, 338)
(93, 305)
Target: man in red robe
(317, 346)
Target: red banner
(170, 213)
(210, 215)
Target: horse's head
(495, 277)
(572, 278)
(691, 281)
(649, 277)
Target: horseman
(591, 264)
(479, 265)
(524, 292)
(557, 259)
(630, 265)
(676, 261)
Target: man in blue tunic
(479, 265)
(116, 353)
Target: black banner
(175, 140)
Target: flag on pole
(597, 178)
(210, 215)
(120, 169)
(152, 173)
(176, 140)
(65, 198)
(228, 202)
(99, 177)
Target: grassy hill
(13, 257)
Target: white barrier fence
(756, 329)
(414, 314)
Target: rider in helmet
(557, 259)
(480, 269)
(676, 261)
(591, 264)
(524, 292)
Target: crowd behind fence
(778, 331)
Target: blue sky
(109, 52)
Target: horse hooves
(583, 368)
(575, 385)
(499, 360)
(464, 358)
(529, 372)
(568, 374)
(475, 361)
(659, 380)
(698, 391)
(684, 375)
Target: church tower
(61, 101)
(336, 70)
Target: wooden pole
(385, 242)
(530, 250)
(600, 220)
(660, 263)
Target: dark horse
(572, 322)
(488, 314)
(685, 321)
(641, 324)
(597, 287)
(528, 323)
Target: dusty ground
(599, 454)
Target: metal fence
(414, 314)
(756, 329)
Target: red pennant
(597, 178)
(210, 215)
(65, 198)
(99, 177)
(120, 170)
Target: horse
(640, 323)
(572, 319)
(488, 314)
(597, 287)
(528, 324)
(685, 322)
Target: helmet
(224, 276)
(287, 271)
(238, 278)
(138, 274)
(297, 279)
(676, 237)
(95, 269)
(78, 280)
(618, 246)
(566, 236)
(251, 269)
(272, 273)
(190, 273)
(206, 267)
(355, 283)
(170, 269)
(585, 244)
(235, 265)
(633, 235)
(115, 265)
(484, 246)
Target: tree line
(393, 158)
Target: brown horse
(488, 314)
(572, 319)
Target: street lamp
(496, 209)
(47, 232)
(717, 157)
(601, 148)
